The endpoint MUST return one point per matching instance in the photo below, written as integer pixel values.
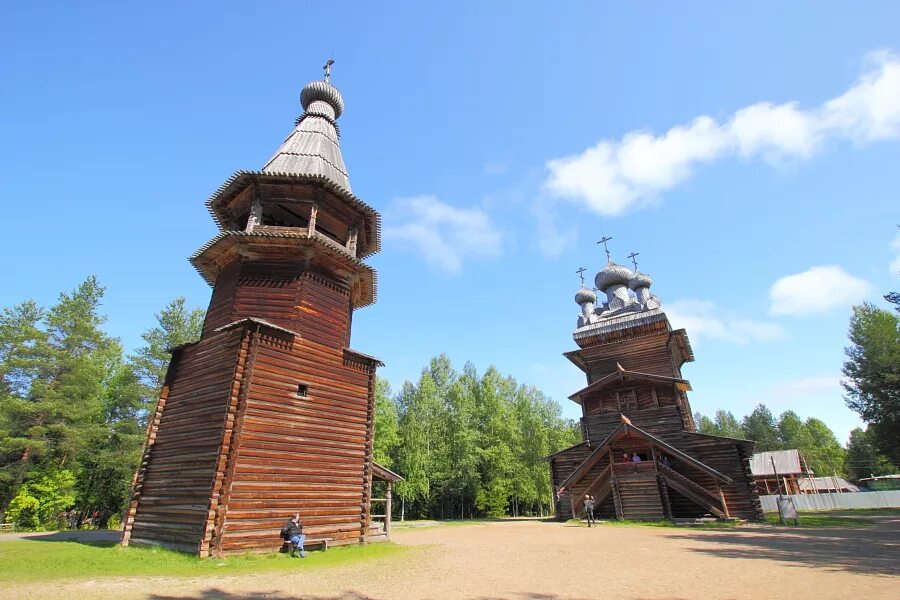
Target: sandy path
(538, 560)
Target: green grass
(34, 560)
(858, 511)
(817, 519)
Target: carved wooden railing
(694, 492)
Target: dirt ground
(530, 560)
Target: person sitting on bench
(293, 532)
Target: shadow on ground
(91, 537)
(217, 594)
(872, 550)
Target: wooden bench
(308, 544)
(6, 527)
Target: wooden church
(271, 411)
(641, 457)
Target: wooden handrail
(695, 492)
(596, 486)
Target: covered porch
(380, 508)
(635, 475)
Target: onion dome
(612, 274)
(585, 295)
(318, 91)
(639, 280)
(313, 147)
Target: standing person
(293, 532)
(625, 458)
(589, 509)
(635, 458)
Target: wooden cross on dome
(632, 257)
(580, 272)
(327, 68)
(603, 241)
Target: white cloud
(816, 291)
(704, 319)
(808, 387)
(444, 234)
(895, 264)
(613, 177)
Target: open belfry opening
(271, 412)
(641, 457)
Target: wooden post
(351, 241)
(387, 510)
(313, 213)
(724, 505)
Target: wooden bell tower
(271, 412)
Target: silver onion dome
(323, 91)
(585, 295)
(639, 280)
(612, 274)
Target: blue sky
(749, 156)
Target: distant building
(826, 485)
(641, 457)
(881, 484)
(779, 471)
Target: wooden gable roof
(624, 375)
(626, 427)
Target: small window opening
(302, 390)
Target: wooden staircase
(638, 492)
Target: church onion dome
(318, 91)
(585, 295)
(612, 274)
(639, 280)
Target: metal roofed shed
(823, 485)
(787, 462)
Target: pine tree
(760, 426)
(176, 325)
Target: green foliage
(723, 424)
(818, 445)
(176, 325)
(472, 446)
(387, 426)
(70, 403)
(863, 458)
(760, 426)
(41, 502)
(873, 375)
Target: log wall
(171, 499)
(310, 454)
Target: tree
(873, 375)
(105, 473)
(760, 427)
(863, 459)
(176, 325)
(387, 426)
(724, 424)
(825, 455)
